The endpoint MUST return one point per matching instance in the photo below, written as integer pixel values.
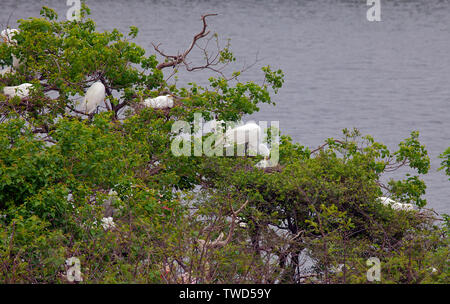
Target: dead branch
(174, 60)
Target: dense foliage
(180, 219)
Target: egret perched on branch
(7, 36)
(249, 135)
(160, 102)
(94, 97)
(395, 205)
(21, 91)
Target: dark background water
(385, 78)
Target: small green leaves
(413, 152)
(48, 13)
(133, 31)
(445, 161)
(275, 78)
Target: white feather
(94, 97)
(8, 35)
(22, 90)
(160, 102)
(395, 205)
(249, 133)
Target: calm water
(385, 78)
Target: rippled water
(385, 78)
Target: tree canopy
(189, 219)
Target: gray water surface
(385, 78)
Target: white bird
(94, 97)
(249, 134)
(395, 205)
(386, 201)
(21, 91)
(7, 36)
(160, 102)
(108, 223)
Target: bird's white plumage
(108, 223)
(7, 36)
(160, 102)
(248, 134)
(95, 95)
(395, 205)
(21, 91)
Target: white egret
(160, 102)
(108, 223)
(7, 36)
(94, 97)
(395, 205)
(249, 134)
(21, 91)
